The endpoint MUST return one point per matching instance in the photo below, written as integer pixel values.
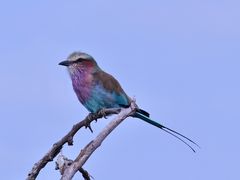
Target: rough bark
(69, 171)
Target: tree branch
(70, 171)
(63, 162)
(68, 138)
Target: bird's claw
(90, 117)
(88, 125)
(102, 112)
(93, 116)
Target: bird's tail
(143, 115)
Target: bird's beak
(64, 63)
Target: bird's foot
(102, 112)
(90, 117)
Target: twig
(63, 162)
(68, 138)
(70, 171)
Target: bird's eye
(80, 60)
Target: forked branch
(93, 145)
(76, 165)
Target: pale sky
(179, 59)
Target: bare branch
(70, 171)
(68, 138)
(63, 162)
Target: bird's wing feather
(109, 83)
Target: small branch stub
(63, 162)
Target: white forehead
(76, 55)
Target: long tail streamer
(166, 129)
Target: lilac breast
(82, 86)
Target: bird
(97, 90)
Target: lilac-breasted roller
(98, 90)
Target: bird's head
(79, 60)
